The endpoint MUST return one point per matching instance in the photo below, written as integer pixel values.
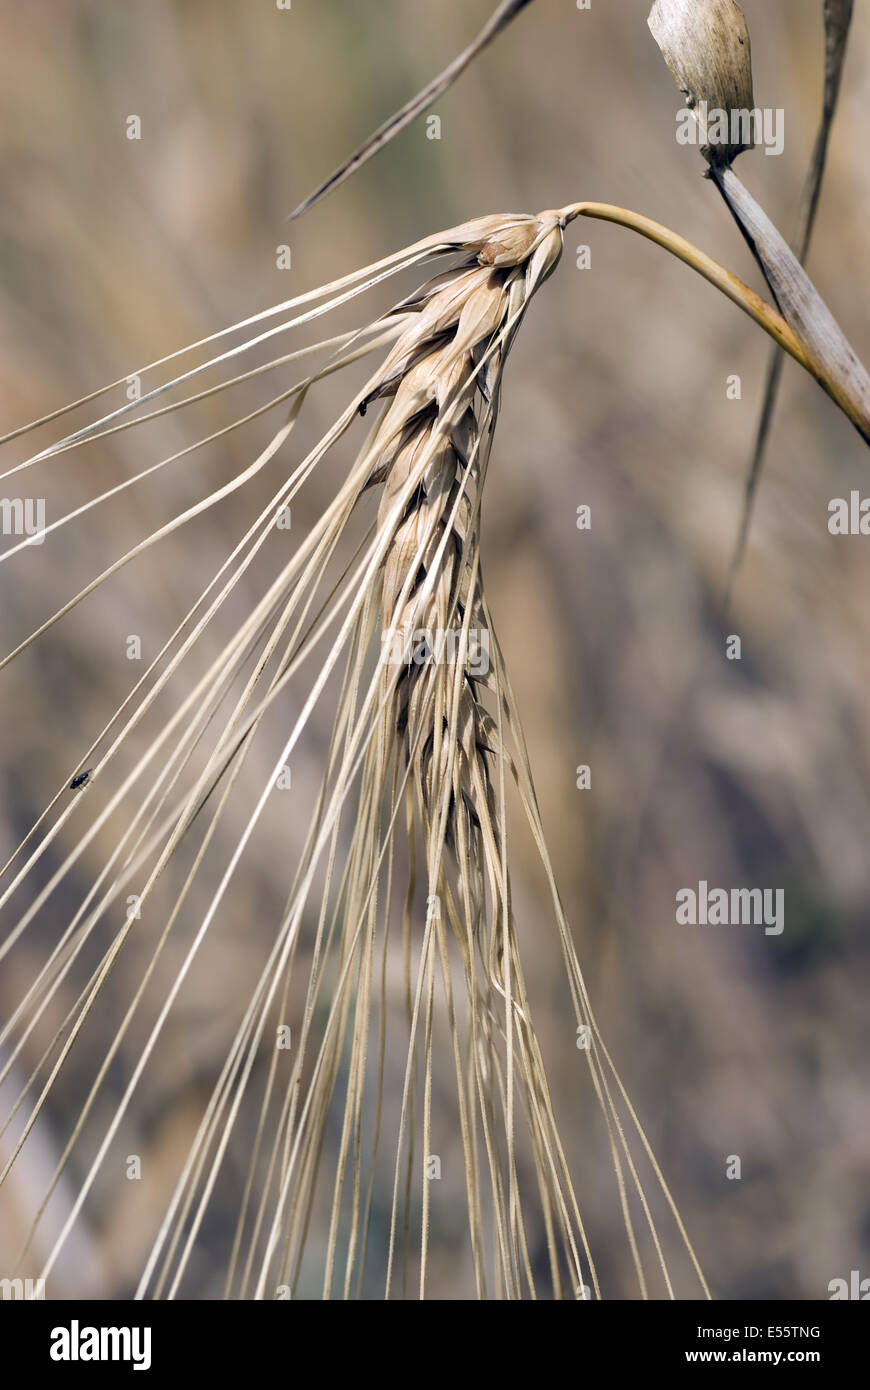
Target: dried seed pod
(705, 43)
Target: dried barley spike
(443, 375)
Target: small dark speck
(80, 779)
(363, 408)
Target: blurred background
(115, 252)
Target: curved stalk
(740, 294)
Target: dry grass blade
(506, 11)
(838, 23)
(801, 305)
(838, 20)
